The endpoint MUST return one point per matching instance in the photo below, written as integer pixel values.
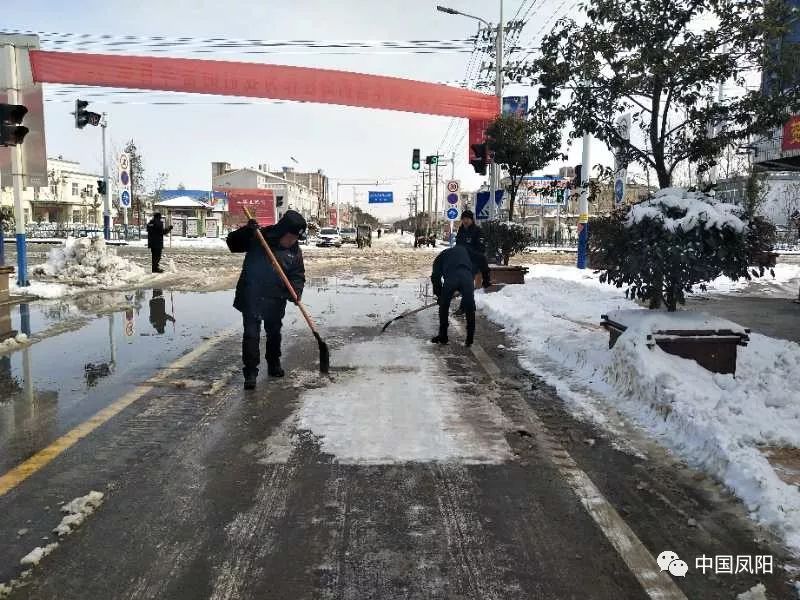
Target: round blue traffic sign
(125, 198)
(124, 178)
(619, 190)
(452, 198)
(452, 214)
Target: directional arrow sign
(125, 198)
(452, 213)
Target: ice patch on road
(397, 405)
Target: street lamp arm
(453, 11)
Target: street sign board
(619, 190)
(124, 162)
(452, 198)
(124, 178)
(452, 213)
(125, 198)
(381, 197)
(482, 204)
(453, 186)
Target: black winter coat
(471, 237)
(156, 232)
(258, 279)
(450, 264)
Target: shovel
(324, 353)
(408, 314)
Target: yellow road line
(46, 455)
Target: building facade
(779, 195)
(70, 197)
(289, 195)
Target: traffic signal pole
(106, 196)
(494, 173)
(16, 174)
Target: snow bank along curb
(714, 422)
(88, 261)
(76, 513)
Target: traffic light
(85, 117)
(101, 187)
(479, 162)
(12, 132)
(578, 181)
(431, 160)
(415, 159)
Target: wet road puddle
(89, 351)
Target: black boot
(274, 368)
(250, 379)
(470, 328)
(440, 339)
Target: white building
(70, 197)
(288, 194)
(782, 195)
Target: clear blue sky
(348, 143)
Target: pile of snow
(13, 343)
(77, 511)
(698, 210)
(88, 262)
(35, 556)
(716, 423)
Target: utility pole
(494, 174)
(16, 174)
(583, 205)
(436, 209)
(106, 196)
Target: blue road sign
(482, 204)
(125, 198)
(381, 197)
(619, 190)
(452, 198)
(452, 213)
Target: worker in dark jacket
(155, 240)
(453, 272)
(261, 294)
(469, 234)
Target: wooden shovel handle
(277, 266)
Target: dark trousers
(155, 254)
(465, 285)
(272, 312)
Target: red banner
(791, 134)
(260, 203)
(256, 80)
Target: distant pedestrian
(379, 233)
(261, 294)
(469, 233)
(158, 312)
(453, 272)
(155, 240)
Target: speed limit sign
(124, 161)
(453, 186)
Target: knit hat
(468, 214)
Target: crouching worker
(260, 292)
(453, 272)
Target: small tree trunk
(506, 258)
(512, 199)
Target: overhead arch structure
(257, 80)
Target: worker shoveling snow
(88, 262)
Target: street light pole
(106, 196)
(493, 171)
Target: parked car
(349, 235)
(329, 236)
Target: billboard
(381, 197)
(217, 200)
(543, 191)
(515, 105)
(260, 203)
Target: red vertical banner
(477, 135)
(791, 134)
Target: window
(76, 215)
(36, 194)
(75, 191)
(90, 190)
(26, 215)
